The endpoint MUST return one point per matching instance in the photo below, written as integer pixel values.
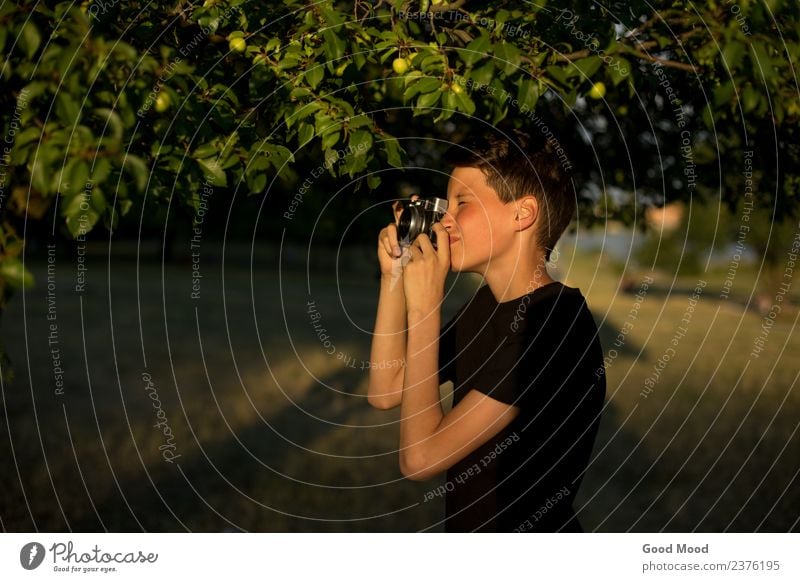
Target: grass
(275, 434)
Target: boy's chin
(462, 267)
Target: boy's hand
(390, 255)
(425, 273)
(389, 250)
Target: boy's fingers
(390, 241)
(397, 207)
(424, 244)
(442, 242)
(394, 245)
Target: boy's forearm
(421, 409)
(388, 353)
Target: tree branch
(638, 52)
(445, 6)
(664, 62)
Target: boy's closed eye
(461, 199)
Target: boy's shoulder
(554, 294)
(553, 306)
(548, 304)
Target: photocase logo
(31, 555)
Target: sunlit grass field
(272, 431)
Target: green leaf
(464, 103)
(113, 121)
(67, 109)
(30, 39)
(330, 140)
(428, 84)
(101, 170)
(483, 74)
(257, 182)
(528, 93)
(27, 136)
(428, 100)
(135, 165)
(213, 172)
(732, 54)
(762, 64)
(556, 72)
(353, 164)
(206, 150)
(509, 55)
(585, 68)
(618, 70)
(39, 173)
(323, 124)
(98, 201)
(360, 142)
(424, 85)
(124, 205)
(449, 102)
(299, 92)
(723, 93)
(75, 177)
(314, 75)
(476, 50)
(305, 133)
(305, 110)
(14, 272)
(259, 163)
(279, 155)
(289, 62)
(334, 46)
(391, 148)
(360, 120)
(79, 217)
(332, 17)
(750, 98)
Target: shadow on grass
(280, 475)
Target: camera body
(418, 217)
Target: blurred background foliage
(105, 104)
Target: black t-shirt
(542, 353)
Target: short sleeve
(539, 363)
(504, 377)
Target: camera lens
(407, 229)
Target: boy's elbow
(413, 467)
(382, 402)
(384, 395)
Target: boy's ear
(527, 211)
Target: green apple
(163, 102)
(400, 65)
(598, 90)
(237, 45)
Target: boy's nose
(448, 222)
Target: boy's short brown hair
(516, 166)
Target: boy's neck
(518, 277)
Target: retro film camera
(419, 216)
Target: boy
(523, 354)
